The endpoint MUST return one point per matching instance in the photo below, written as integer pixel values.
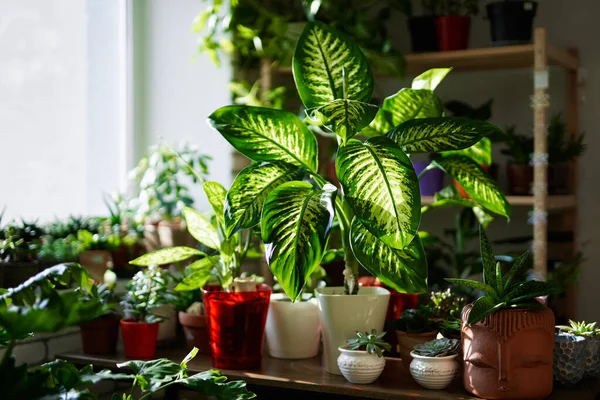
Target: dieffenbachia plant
(222, 252)
(379, 206)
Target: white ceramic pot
(292, 329)
(167, 329)
(341, 315)
(360, 367)
(433, 372)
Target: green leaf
(166, 256)
(530, 290)
(499, 280)
(403, 270)
(201, 228)
(488, 260)
(430, 79)
(483, 217)
(215, 192)
(381, 187)
(474, 285)
(433, 135)
(189, 357)
(265, 134)
(295, 226)
(200, 275)
(404, 106)
(212, 383)
(250, 189)
(480, 152)
(152, 374)
(345, 118)
(483, 307)
(323, 59)
(476, 182)
(515, 269)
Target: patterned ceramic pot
(592, 357)
(433, 372)
(360, 367)
(569, 356)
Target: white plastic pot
(433, 372)
(341, 315)
(360, 367)
(292, 329)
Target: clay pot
(360, 367)
(569, 357)
(96, 263)
(196, 331)
(507, 352)
(592, 357)
(408, 341)
(100, 335)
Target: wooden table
(309, 376)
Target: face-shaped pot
(508, 355)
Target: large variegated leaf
(265, 134)
(344, 117)
(433, 135)
(382, 189)
(323, 59)
(403, 270)
(215, 192)
(295, 226)
(201, 228)
(250, 189)
(403, 106)
(166, 256)
(480, 152)
(430, 79)
(200, 274)
(476, 182)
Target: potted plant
(146, 292)
(96, 251)
(415, 326)
(19, 245)
(361, 360)
(378, 209)
(509, 331)
(511, 21)
(563, 149)
(434, 363)
(574, 358)
(54, 251)
(161, 181)
(422, 28)
(447, 307)
(236, 309)
(453, 23)
(99, 336)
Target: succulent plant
(437, 348)
(580, 328)
(372, 342)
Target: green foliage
(147, 290)
(370, 342)
(502, 290)
(59, 250)
(20, 242)
(438, 348)
(97, 241)
(580, 328)
(457, 7)
(417, 320)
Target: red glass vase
(236, 326)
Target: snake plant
(437, 348)
(379, 206)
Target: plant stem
(8, 352)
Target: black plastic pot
(423, 34)
(511, 21)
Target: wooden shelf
(554, 202)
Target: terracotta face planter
(196, 331)
(508, 355)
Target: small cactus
(437, 348)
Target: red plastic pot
(236, 326)
(139, 338)
(453, 32)
(100, 336)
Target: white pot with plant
(378, 209)
(434, 364)
(361, 360)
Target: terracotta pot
(507, 352)
(139, 338)
(196, 331)
(100, 336)
(408, 341)
(453, 32)
(96, 263)
(174, 234)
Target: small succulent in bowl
(434, 363)
(361, 360)
(437, 348)
(591, 335)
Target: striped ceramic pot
(360, 367)
(433, 372)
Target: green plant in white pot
(378, 208)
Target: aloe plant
(379, 206)
(503, 291)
